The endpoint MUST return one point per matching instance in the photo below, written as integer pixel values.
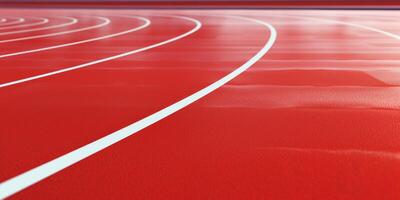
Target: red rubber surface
(388, 4)
(316, 118)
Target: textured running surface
(278, 104)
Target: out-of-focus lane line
(71, 22)
(106, 22)
(147, 23)
(108, 58)
(369, 28)
(332, 21)
(18, 21)
(42, 21)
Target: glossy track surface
(199, 104)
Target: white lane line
(146, 23)
(369, 28)
(43, 171)
(71, 22)
(104, 59)
(105, 20)
(3, 20)
(18, 21)
(42, 21)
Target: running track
(199, 104)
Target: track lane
(281, 130)
(18, 21)
(28, 21)
(210, 41)
(35, 175)
(50, 27)
(275, 135)
(387, 22)
(283, 135)
(70, 22)
(40, 22)
(88, 27)
(158, 34)
(105, 21)
(32, 66)
(79, 42)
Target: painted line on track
(71, 22)
(146, 23)
(369, 28)
(18, 21)
(43, 171)
(104, 59)
(42, 21)
(106, 21)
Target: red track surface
(315, 118)
(390, 4)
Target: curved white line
(147, 23)
(369, 28)
(18, 21)
(42, 21)
(71, 22)
(106, 21)
(43, 171)
(102, 60)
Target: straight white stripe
(104, 59)
(146, 23)
(71, 22)
(42, 21)
(41, 172)
(18, 21)
(106, 21)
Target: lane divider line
(104, 59)
(369, 28)
(105, 22)
(45, 170)
(18, 21)
(42, 21)
(71, 22)
(146, 23)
